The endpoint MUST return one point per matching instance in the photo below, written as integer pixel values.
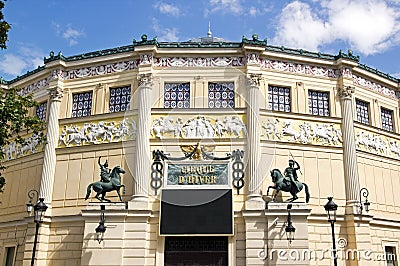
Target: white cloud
(68, 33)
(28, 57)
(396, 75)
(368, 26)
(168, 9)
(253, 11)
(12, 64)
(226, 6)
(165, 34)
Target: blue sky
(371, 28)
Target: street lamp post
(330, 208)
(39, 211)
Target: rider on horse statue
(291, 174)
(104, 171)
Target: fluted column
(352, 181)
(50, 159)
(253, 138)
(142, 166)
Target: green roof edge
(254, 41)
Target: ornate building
(198, 127)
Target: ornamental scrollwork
(97, 133)
(198, 127)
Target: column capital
(345, 92)
(56, 93)
(253, 80)
(100, 86)
(145, 80)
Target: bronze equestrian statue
(288, 182)
(110, 180)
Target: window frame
(109, 97)
(6, 247)
(233, 91)
(382, 108)
(72, 102)
(290, 98)
(329, 102)
(176, 106)
(46, 110)
(368, 109)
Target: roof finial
(209, 34)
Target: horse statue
(282, 184)
(101, 188)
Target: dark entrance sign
(197, 174)
(200, 251)
(196, 212)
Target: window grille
(279, 99)
(221, 95)
(318, 103)
(362, 111)
(120, 99)
(82, 104)
(387, 119)
(176, 95)
(41, 111)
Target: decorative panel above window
(82, 104)
(387, 119)
(221, 95)
(279, 99)
(177, 95)
(120, 99)
(362, 111)
(41, 111)
(318, 103)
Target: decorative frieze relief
(301, 68)
(34, 87)
(199, 61)
(300, 131)
(15, 150)
(92, 71)
(97, 133)
(377, 144)
(375, 87)
(198, 127)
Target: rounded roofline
(202, 42)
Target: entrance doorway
(196, 251)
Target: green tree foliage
(4, 28)
(15, 122)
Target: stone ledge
(95, 206)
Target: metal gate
(196, 251)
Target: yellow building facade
(337, 118)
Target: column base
(138, 202)
(255, 202)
